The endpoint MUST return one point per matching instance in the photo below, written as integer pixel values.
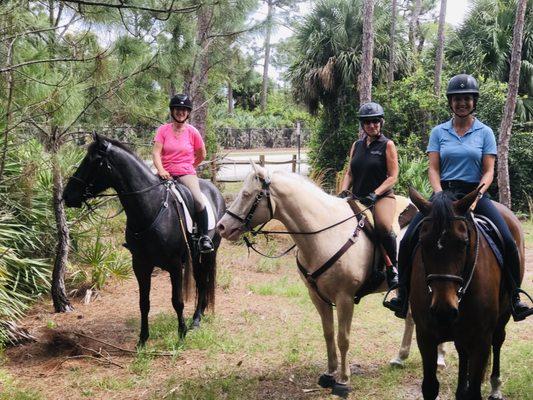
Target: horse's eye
(246, 194)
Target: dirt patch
(263, 347)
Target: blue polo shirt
(461, 157)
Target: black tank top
(368, 165)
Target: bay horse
(302, 206)
(155, 232)
(458, 293)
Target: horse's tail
(188, 278)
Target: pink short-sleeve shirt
(177, 155)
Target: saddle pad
(211, 220)
(492, 235)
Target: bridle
(263, 193)
(468, 269)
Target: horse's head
(252, 206)
(92, 176)
(446, 250)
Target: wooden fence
(214, 165)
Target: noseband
(264, 192)
(467, 271)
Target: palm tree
(482, 45)
(328, 64)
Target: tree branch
(189, 9)
(50, 60)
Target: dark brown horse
(458, 293)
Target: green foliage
(520, 168)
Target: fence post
(262, 160)
(298, 144)
(294, 163)
(213, 168)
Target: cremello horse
(303, 207)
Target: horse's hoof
(341, 390)
(195, 324)
(496, 397)
(397, 363)
(140, 345)
(326, 381)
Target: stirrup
(205, 244)
(524, 314)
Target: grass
(527, 225)
(266, 342)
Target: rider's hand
(345, 194)
(369, 200)
(164, 174)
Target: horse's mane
(120, 145)
(441, 212)
(303, 180)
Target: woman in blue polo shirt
(461, 153)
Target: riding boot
(400, 303)
(204, 241)
(519, 309)
(388, 242)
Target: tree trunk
(392, 42)
(504, 187)
(440, 48)
(198, 84)
(59, 297)
(365, 76)
(8, 113)
(264, 87)
(413, 25)
(230, 98)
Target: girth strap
(312, 277)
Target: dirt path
(260, 340)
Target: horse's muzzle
(444, 315)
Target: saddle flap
(181, 193)
(492, 235)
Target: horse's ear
(259, 170)
(463, 205)
(254, 166)
(422, 204)
(95, 136)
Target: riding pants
(384, 211)
(192, 183)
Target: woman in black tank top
(372, 174)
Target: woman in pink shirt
(178, 150)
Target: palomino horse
(458, 294)
(302, 206)
(155, 232)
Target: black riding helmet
(463, 84)
(370, 110)
(180, 100)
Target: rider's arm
(434, 171)
(391, 155)
(199, 156)
(156, 157)
(487, 175)
(347, 180)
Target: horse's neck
(134, 176)
(301, 207)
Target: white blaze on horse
(303, 207)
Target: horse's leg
(143, 273)
(201, 303)
(497, 341)
(405, 347)
(177, 297)
(345, 307)
(428, 350)
(327, 379)
(478, 355)
(462, 381)
(441, 351)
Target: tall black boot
(204, 241)
(389, 244)
(400, 303)
(519, 309)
